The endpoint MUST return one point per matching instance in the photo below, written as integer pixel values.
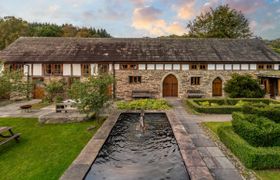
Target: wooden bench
(142, 94)
(7, 138)
(195, 94)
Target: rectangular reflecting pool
(133, 151)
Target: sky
(142, 18)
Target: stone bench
(195, 94)
(142, 94)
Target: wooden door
(38, 91)
(170, 86)
(217, 87)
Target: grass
(261, 174)
(44, 151)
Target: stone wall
(152, 80)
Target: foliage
(256, 130)
(14, 83)
(44, 151)
(222, 22)
(91, 93)
(251, 157)
(11, 28)
(146, 104)
(270, 112)
(227, 105)
(275, 45)
(54, 90)
(243, 86)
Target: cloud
(148, 18)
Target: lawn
(44, 151)
(261, 174)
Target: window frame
(84, 73)
(129, 67)
(53, 70)
(195, 81)
(134, 79)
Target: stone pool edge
(193, 161)
(194, 164)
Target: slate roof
(45, 49)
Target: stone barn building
(160, 67)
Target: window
(269, 67)
(202, 66)
(15, 67)
(260, 66)
(53, 69)
(129, 66)
(85, 69)
(135, 79)
(193, 67)
(103, 68)
(57, 69)
(195, 80)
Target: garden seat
(195, 94)
(7, 138)
(142, 94)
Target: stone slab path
(218, 164)
(13, 110)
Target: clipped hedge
(251, 157)
(224, 106)
(257, 131)
(270, 112)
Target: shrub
(257, 131)
(243, 86)
(146, 104)
(252, 157)
(55, 90)
(270, 112)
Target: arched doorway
(170, 86)
(217, 87)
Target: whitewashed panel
(219, 67)
(27, 67)
(185, 67)
(159, 66)
(276, 67)
(110, 67)
(1, 68)
(168, 66)
(211, 67)
(150, 66)
(142, 66)
(37, 70)
(66, 69)
(92, 69)
(76, 69)
(244, 66)
(228, 66)
(236, 67)
(117, 66)
(253, 67)
(176, 66)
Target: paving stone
(199, 173)
(203, 142)
(215, 151)
(75, 172)
(223, 162)
(226, 174)
(192, 158)
(203, 152)
(209, 162)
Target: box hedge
(257, 131)
(270, 112)
(224, 106)
(252, 157)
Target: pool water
(133, 153)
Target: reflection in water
(131, 152)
